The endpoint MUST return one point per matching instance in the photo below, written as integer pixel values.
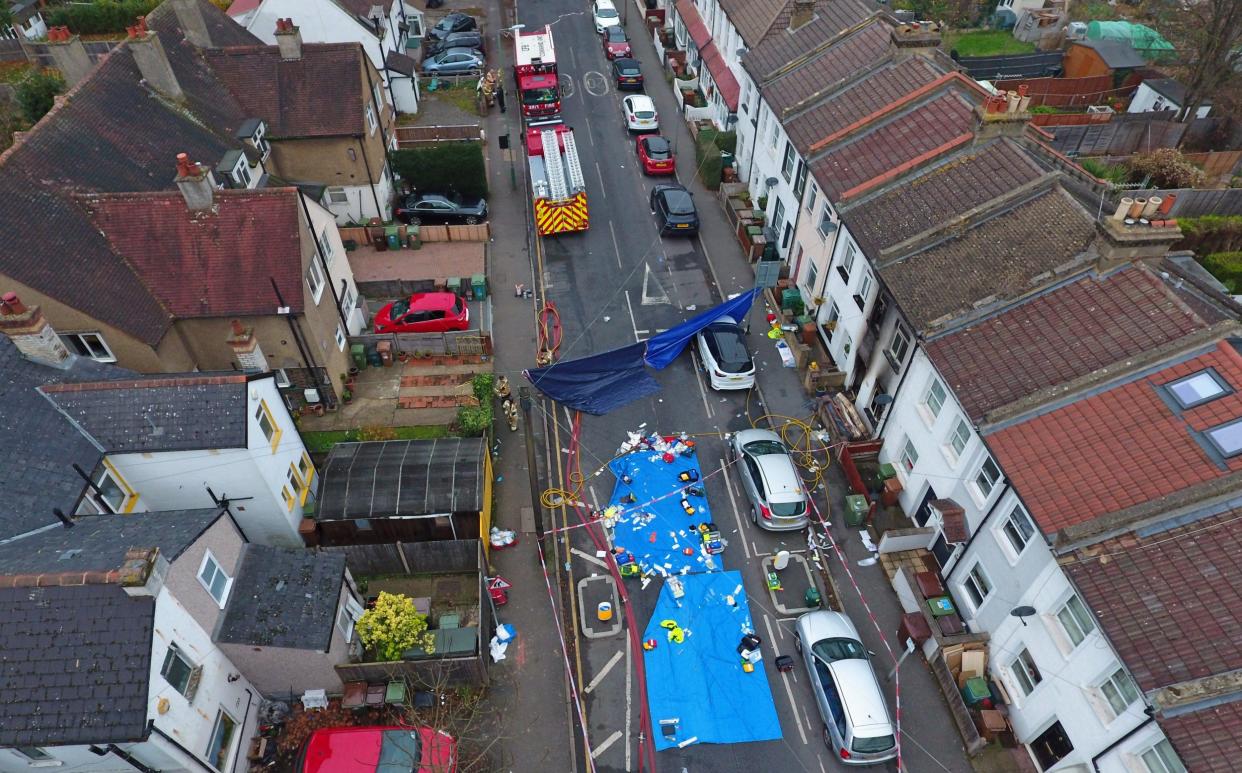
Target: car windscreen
(615, 34)
(399, 752)
(765, 447)
(539, 96)
(658, 149)
(399, 309)
(628, 69)
(606, 13)
(833, 650)
(874, 745)
(728, 348)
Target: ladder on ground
(557, 187)
(577, 183)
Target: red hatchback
(655, 155)
(616, 44)
(378, 750)
(424, 313)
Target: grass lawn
(322, 442)
(985, 43)
(461, 95)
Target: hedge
(707, 158)
(100, 17)
(1211, 234)
(445, 168)
(1227, 267)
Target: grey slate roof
(99, 542)
(284, 597)
(75, 666)
(40, 447)
(402, 477)
(178, 413)
(1117, 54)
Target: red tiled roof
(1169, 599)
(1208, 740)
(1119, 448)
(209, 264)
(694, 23)
(723, 77)
(1057, 337)
(861, 50)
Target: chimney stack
(193, 25)
(246, 348)
(922, 37)
(803, 12)
(288, 40)
(33, 335)
(1129, 239)
(152, 61)
(194, 180)
(1003, 115)
(69, 55)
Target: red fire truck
(535, 73)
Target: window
(775, 130)
(985, 481)
(325, 246)
(213, 578)
(241, 173)
(1076, 620)
(337, 196)
(909, 456)
(812, 277)
(1162, 759)
(933, 401)
(812, 197)
(267, 425)
(112, 491)
(260, 142)
(1120, 691)
(899, 347)
(1018, 531)
(778, 213)
(306, 470)
(787, 163)
(1227, 438)
(864, 287)
(826, 225)
(348, 614)
(1197, 389)
(847, 263)
(221, 741)
(800, 180)
(379, 95)
(282, 379)
(788, 234)
(88, 345)
(371, 119)
(341, 340)
(958, 438)
(286, 494)
(314, 280)
(834, 314)
(180, 673)
(1025, 673)
(977, 586)
(33, 753)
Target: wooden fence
(1195, 202)
(461, 555)
(413, 136)
(456, 343)
(1069, 92)
(481, 232)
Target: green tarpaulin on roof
(1144, 39)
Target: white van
(856, 723)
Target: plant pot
(353, 372)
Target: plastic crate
(975, 691)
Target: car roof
(640, 101)
(460, 50)
(625, 61)
(605, 4)
(780, 478)
(751, 435)
(655, 142)
(861, 696)
(824, 624)
(437, 300)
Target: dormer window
(253, 131)
(241, 173)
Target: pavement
(615, 284)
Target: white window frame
(788, 162)
(80, 344)
(847, 262)
(864, 289)
(812, 278)
(1014, 539)
(378, 92)
(370, 113)
(825, 219)
(812, 198)
(1222, 388)
(834, 318)
(902, 336)
(1025, 673)
(977, 489)
(929, 411)
(976, 583)
(40, 758)
(1084, 632)
(958, 441)
(207, 583)
(1119, 680)
(282, 378)
(909, 456)
(1162, 753)
(211, 739)
(325, 245)
(778, 214)
(315, 280)
(334, 193)
(347, 617)
(262, 145)
(341, 339)
(191, 679)
(241, 172)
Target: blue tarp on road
(656, 528)
(665, 347)
(700, 682)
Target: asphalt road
(618, 283)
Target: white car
(640, 113)
(722, 350)
(606, 16)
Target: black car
(454, 22)
(627, 73)
(434, 208)
(469, 39)
(674, 206)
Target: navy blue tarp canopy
(602, 382)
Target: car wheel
(411, 220)
(828, 739)
(472, 220)
(754, 516)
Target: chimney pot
(14, 304)
(238, 330)
(195, 183)
(1166, 206)
(288, 40)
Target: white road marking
(633, 322)
(822, 769)
(615, 248)
(601, 182)
(594, 497)
(588, 557)
(603, 672)
(741, 525)
(609, 741)
(701, 374)
(810, 728)
(789, 693)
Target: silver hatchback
(778, 500)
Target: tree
(393, 626)
(37, 93)
(1208, 38)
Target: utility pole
(532, 472)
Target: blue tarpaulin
(599, 383)
(655, 528)
(700, 682)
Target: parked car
(616, 43)
(436, 208)
(454, 22)
(856, 722)
(454, 61)
(627, 73)
(674, 207)
(655, 155)
(778, 500)
(437, 312)
(378, 749)
(605, 15)
(639, 113)
(469, 39)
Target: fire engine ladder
(577, 183)
(557, 188)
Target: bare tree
(463, 712)
(1208, 37)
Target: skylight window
(1227, 438)
(1197, 389)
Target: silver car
(778, 500)
(454, 61)
(856, 722)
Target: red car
(616, 44)
(378, 750)
(424, 313)
(655, 155)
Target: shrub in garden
(1168, 168)
(393, 626)
(445, 168)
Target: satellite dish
(1022, 613)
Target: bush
(1227, 267)
(445, 168)
(482, 385)
(376, 432)
(727, 141)
(474, 420)
(1168, 168)
(1211, 234)
(100, 17)
(37, 93)
(1109, 172)
(707, 158)
(393, 626)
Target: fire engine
(535, 72)
(557, 184)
